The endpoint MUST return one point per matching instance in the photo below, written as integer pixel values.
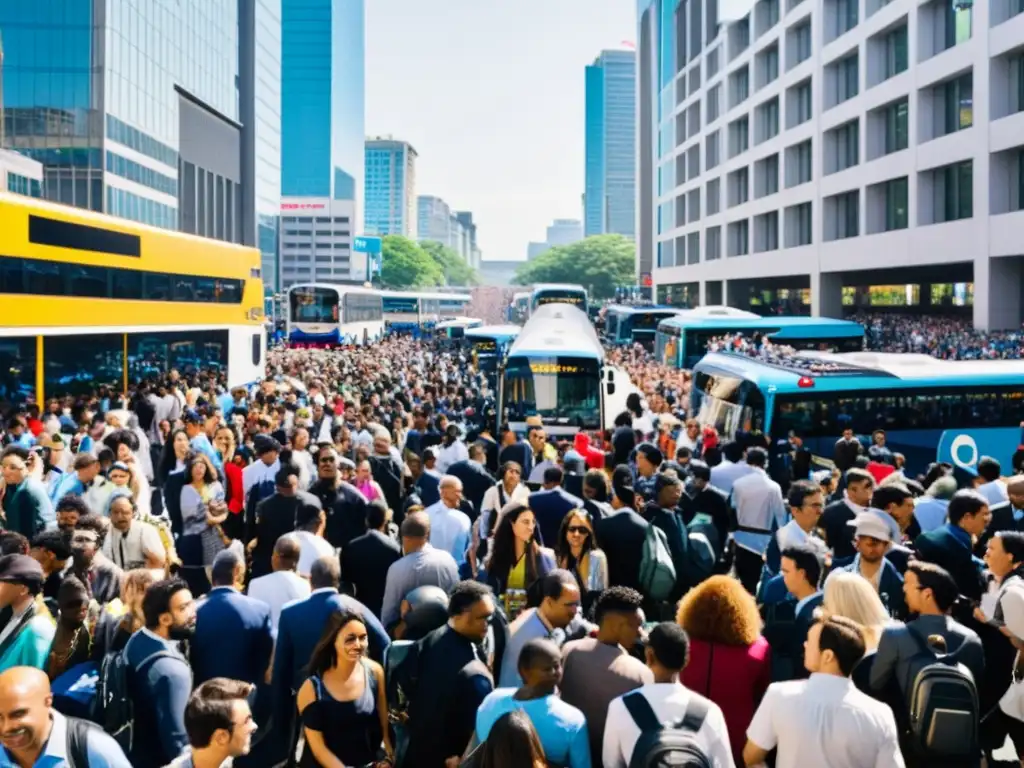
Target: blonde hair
(854, 597)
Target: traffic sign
(367, 244)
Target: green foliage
(407, 265)
(454, 268)
(599, 264)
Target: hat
(119, 465)
(192, 416)
(872, 523)
(262, 444)
(21, 569)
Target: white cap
(873, 523)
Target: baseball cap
(872, 523)
(21, 569)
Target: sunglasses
(577, 529)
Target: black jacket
(364, 565)
(476, 481)
(345, 507)
(621, 536)
(274, 518)
(388, 474)
(550, 508)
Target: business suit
(520, 453)
(835, 522)
(621, 536)
(550, 507)
(428, 487)
(298, 631)
(1003, 519)
(947, 549)
(476, 481)
(364, 565)
(160, 690)
(226, 616)
(708, 501)
(787, 623)
(890, 588)
(345, 508)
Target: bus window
(17, 371)
(76, 365)
(257, 349)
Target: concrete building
(471, 250)
(610, 178)
(565, 232)
(828, 149)
(390, 197)
(316, 242)
(20, 174)
(433, 219)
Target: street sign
(367, 244)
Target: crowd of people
(345, 566)
(949, 338)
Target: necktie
(121, 548)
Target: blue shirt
(102, 750)
(449, 530)
(68, 485)
(202, 444)
(561, 728)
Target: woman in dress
(517, 559)
(343, 705)
(577, 552)
(203, 509)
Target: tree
(600, 264)
(406, 265)
(454, 268)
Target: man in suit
(837, 515)
(476, 480)
(949, 546)
(551, 505)
(344, 505)
(367, 558)
(621, 536)
(1006, 516)
(298, 633)
(702, 498)
(275, 517)
(428, 484)
(226, 613)
(788, 621)
(873, 536)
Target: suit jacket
(223, 616)
(520, 453)
(711, 502)
(364, 565)
(550, 508)
(786, 630)
(838, 534)
(890, 588)
(943, 548)
(160, 691)
(428, 487)
(388, 474)
(345, 508)
(621, 536)
(27, 508)
(1002, 520)
(275, 516)
(476, 481)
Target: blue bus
(558, 293)
(489, 345)
(410, 311)
(682, 340)
(322, 315)
(930, 409)
(635, 325)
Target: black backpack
(944, 712)
(78, 742)
(114, 705)
(667, 745)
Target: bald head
(25, 701)
(286, 553)
(450, 481)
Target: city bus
(555, 370)
(90, 301)
(409, 311)
(489, 344)
(930, 409)
(453, 304)
(681, 341)
(454, 329)
(634, 325)
(558, 293)
(519, 309)
(321, 315)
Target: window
(739, 136)
(44, 278)
(768, 120)
(712, 62)
(17, 370)
(713, 244)
(956, 19)
(800, 97)
(954, 192)
(801, 43)
(799, 228)
(956, 99)
(711, 151)
(712, 108)
(101, 356)
(896, 59)
(844, 17)
(766, 176)
(739, 187)
(843, 144)
(257, 348)
(362, 308)
(739, 238)
(713, 197)
(766, 232)
(152, 355)
(846, 78)
(896, 204)
(1016, 81)
(845, 215)
(693, 248)
(693, 161)
(896, 134)
(739, 86)
(693, 204)
(768, 66)
(766, 15)
(799, 164)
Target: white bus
(558, 293)
(321, 315)
(410, 310)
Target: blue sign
(367, 244)
(963, 448)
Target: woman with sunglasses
(578, 553)
(517, 559)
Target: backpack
(657, 572)
(78, 742)
(114, 706)
(667, 745)
(944, 709)
(702, 554)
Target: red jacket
(593, 456)
(233, 492)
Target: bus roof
(494, 332)
(806, 327)
(558, 329)
(520, 295)
(810, 372)
(620, 309)
(458, 322)
(717, 310)
(558, 287)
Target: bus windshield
(557, 296)
(561, 390)
(314, 305)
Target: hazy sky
(491, 95)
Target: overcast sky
(491, 95)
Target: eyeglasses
(577, 529)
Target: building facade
(390, 198)
(473, 256)
(433, 219)
(19, 174)
(565, 232)
(610, 176)
(828, 147)
(316, 242)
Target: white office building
(823, 147)
(316, 242)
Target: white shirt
(757, 500)
(313, 548)
(669, 701)
(725, 475)
(277, 588)
(449, 454)
(142, 539)
(825, 722)
(995, 492)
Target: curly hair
(720, 610)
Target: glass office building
(323, 93)
(391, 188)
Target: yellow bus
(90, 301)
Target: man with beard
(34, 733)
(161, 679)
(103, 579)
(344, 505)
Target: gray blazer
(901, 657)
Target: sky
(490, 93)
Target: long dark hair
(325, 655)
(503, 552)
(562, 549)
(512, 743)
(209, 475)
(167, 458)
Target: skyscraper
(390, 188)
(610, 184)
(323, 98)
(132, 107)
(434, 219)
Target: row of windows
(34, 277)
(23, 185)
(140, 142)
(317, 219)
(140, 174)
(128, 205)
(362, 308)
